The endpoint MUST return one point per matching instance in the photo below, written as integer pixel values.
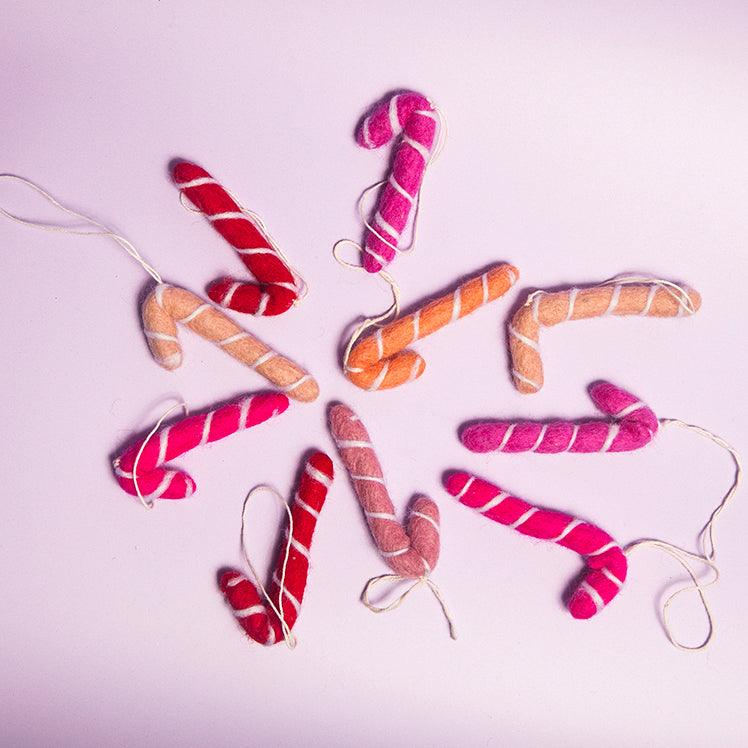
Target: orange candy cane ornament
(379, 361)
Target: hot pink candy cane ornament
(606, 561)
(139, 469)
(278, 288)
(272, 621)
(414, 116)
(634, 427)
(412, 553)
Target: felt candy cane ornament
(167, 304)
(622, 297)
(139, 469)
(414, 116)
(270, 622)
(379, 361)
(277, 287)
(411, 553)
(606, 562)
(635, 425)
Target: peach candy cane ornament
(278, 287)
(623, 296)
(413, 115)
(271, 622)
(411, 552)
(168, 304)
(379, 361)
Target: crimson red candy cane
(634, 427)
(157, 482)
(414, 116)
(278, 287)
(606, 562)
(259, 620)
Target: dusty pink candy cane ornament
(606, 561)
(414, 116)
(634, 426)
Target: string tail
(166, 305)
(655, 298)
(268, 619)
(633, 427)
(414, 116)
(140, 470)
(380, 360)
(605, 561)
(277, 288)
(410, 552)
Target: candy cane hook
(542, 309)
(409, 553)
(415, 116)
(278, 288)
(634, 426)
(379, 361)
(606, 562)
(139, 469)
(268, 623)
(165, 304)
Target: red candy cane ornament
(278, 288)
(414, 116)
(606, 562)
(272, 622)
(634, 427)
(139, 469)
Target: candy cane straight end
(606, 562)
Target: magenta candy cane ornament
(140, 468)
(271, 621)
(414, 116)
(605, 560)
(634, 426)
(277, 287)
(411, 552)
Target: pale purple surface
(586, 139)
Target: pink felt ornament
(606, 562)
(414, 116)
(139, 468)
(411, 553)
(634, 426)
(270, 622)
(277, 288)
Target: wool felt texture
(409, 553)
(547, 309)
(157, 482)
(165, 304)
(414, 116)
(606, 562)
(634, 427)
(379, 361)
(277, 289)
(257, 618)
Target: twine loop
(420, 581)
(706, 540)
(105, 231)
(288, 636)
